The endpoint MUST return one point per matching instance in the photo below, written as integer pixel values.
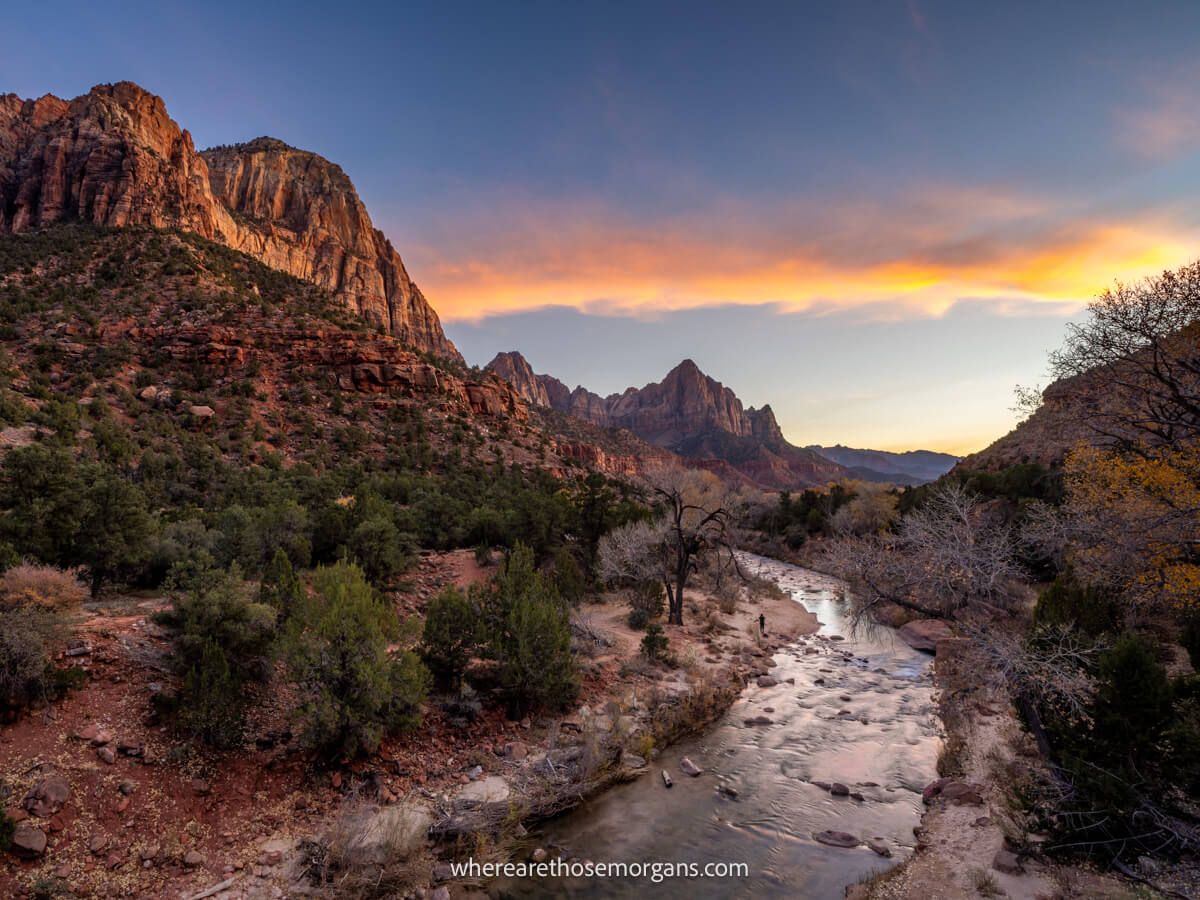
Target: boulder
(201, 412)
(924, 634)
(687, 767)
(960, 793)
(193, 858)
(839, 790)
(130, 747)
(766, 681)
(486, 791)
(933, 789)
(759, 720)
(28, 841)
(47, 796)
(516, 750)
(1007, 862)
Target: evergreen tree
(354, 690)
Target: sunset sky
(876, 217)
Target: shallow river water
(870, 725)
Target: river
(860, 712)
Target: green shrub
(379, 548)
(114, 530)
(450, 636)
(211, 705)
(646, 603)
(353, 690)
(1133, 698)
(280, 586)
(222, 642)
(568, 577)
(1190, 638)
(654, 643)
(1066, 602)
(529, 633)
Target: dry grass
(370, 852)
(985, 884)
(30, 584)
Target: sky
(877, 217)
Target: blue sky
(876, 217)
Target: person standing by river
(762, 624)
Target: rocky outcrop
(114, 158)
(364, 365)
(688, 413)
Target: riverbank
(154, 822)
(978, 843)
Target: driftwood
(216, 888)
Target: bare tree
(947, 556)
(1140, 356)
(694, 522)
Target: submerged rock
(687, 767)
(878, 846)
(836, 839)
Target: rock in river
(836, 839)
(687, 767)
(924, 634)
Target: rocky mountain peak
(114, 157)
(538, 390)
(689, 413)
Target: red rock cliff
(113, 157)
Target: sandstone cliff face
(306, 218)
(113, 157)
(688, 413)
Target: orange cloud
(918, 259)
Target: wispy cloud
(1165, 124)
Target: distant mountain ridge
(910, 467)
(697, 417)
